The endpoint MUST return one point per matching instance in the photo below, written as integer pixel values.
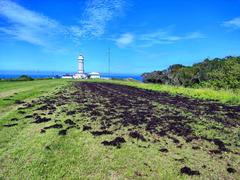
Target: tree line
(215, 73)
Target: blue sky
(143, 35)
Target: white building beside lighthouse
(80, 74)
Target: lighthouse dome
(80, 57)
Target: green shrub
(25, 78)
(216, 73)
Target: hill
(218, 73)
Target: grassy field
(11, 92)
(57, 129)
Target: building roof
(94, 73)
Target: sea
(33, 74)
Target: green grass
(224, 96)
(25, 153)
(24, 90)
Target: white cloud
(96, 16)
(194, 35)
(32, 27)
(125, 39)
(165, 37)
(234, 23)
(28, 26)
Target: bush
(217, 73)
(25, 78)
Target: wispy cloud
(125, 39)
(233, 23)
(32, 27)
(96, 16)
(26, 25)
(165, 37)
(161, 36)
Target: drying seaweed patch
(137, 173)
(42, 108)
(69, 113)
(28, 105)
(47, 148)
(215, 151)
(137, 135)
(99, 133)
(42, 131)
(10, 125)
(70, 127)
(143, 115)
(29, 116)
(39, 119)
(14, 119)
(19, 102)
(21, 112)
(175, 140)
(116, 142)
(231, 170)
(56, 126)
(50, 113)
(195, 147)
(220, 145)
(181, 160)
(163, 150)
(135, 108)
(62, 132)
(188, 171)
(7, 99)
(21, 108)
(86, 128)
(69, 122)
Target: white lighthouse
(81, 64)
(80, 74)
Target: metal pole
(109, 62)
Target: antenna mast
(109, 62)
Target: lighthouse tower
(80, 74)
(80, 64)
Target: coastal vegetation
(218, 73)
(20, 78)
